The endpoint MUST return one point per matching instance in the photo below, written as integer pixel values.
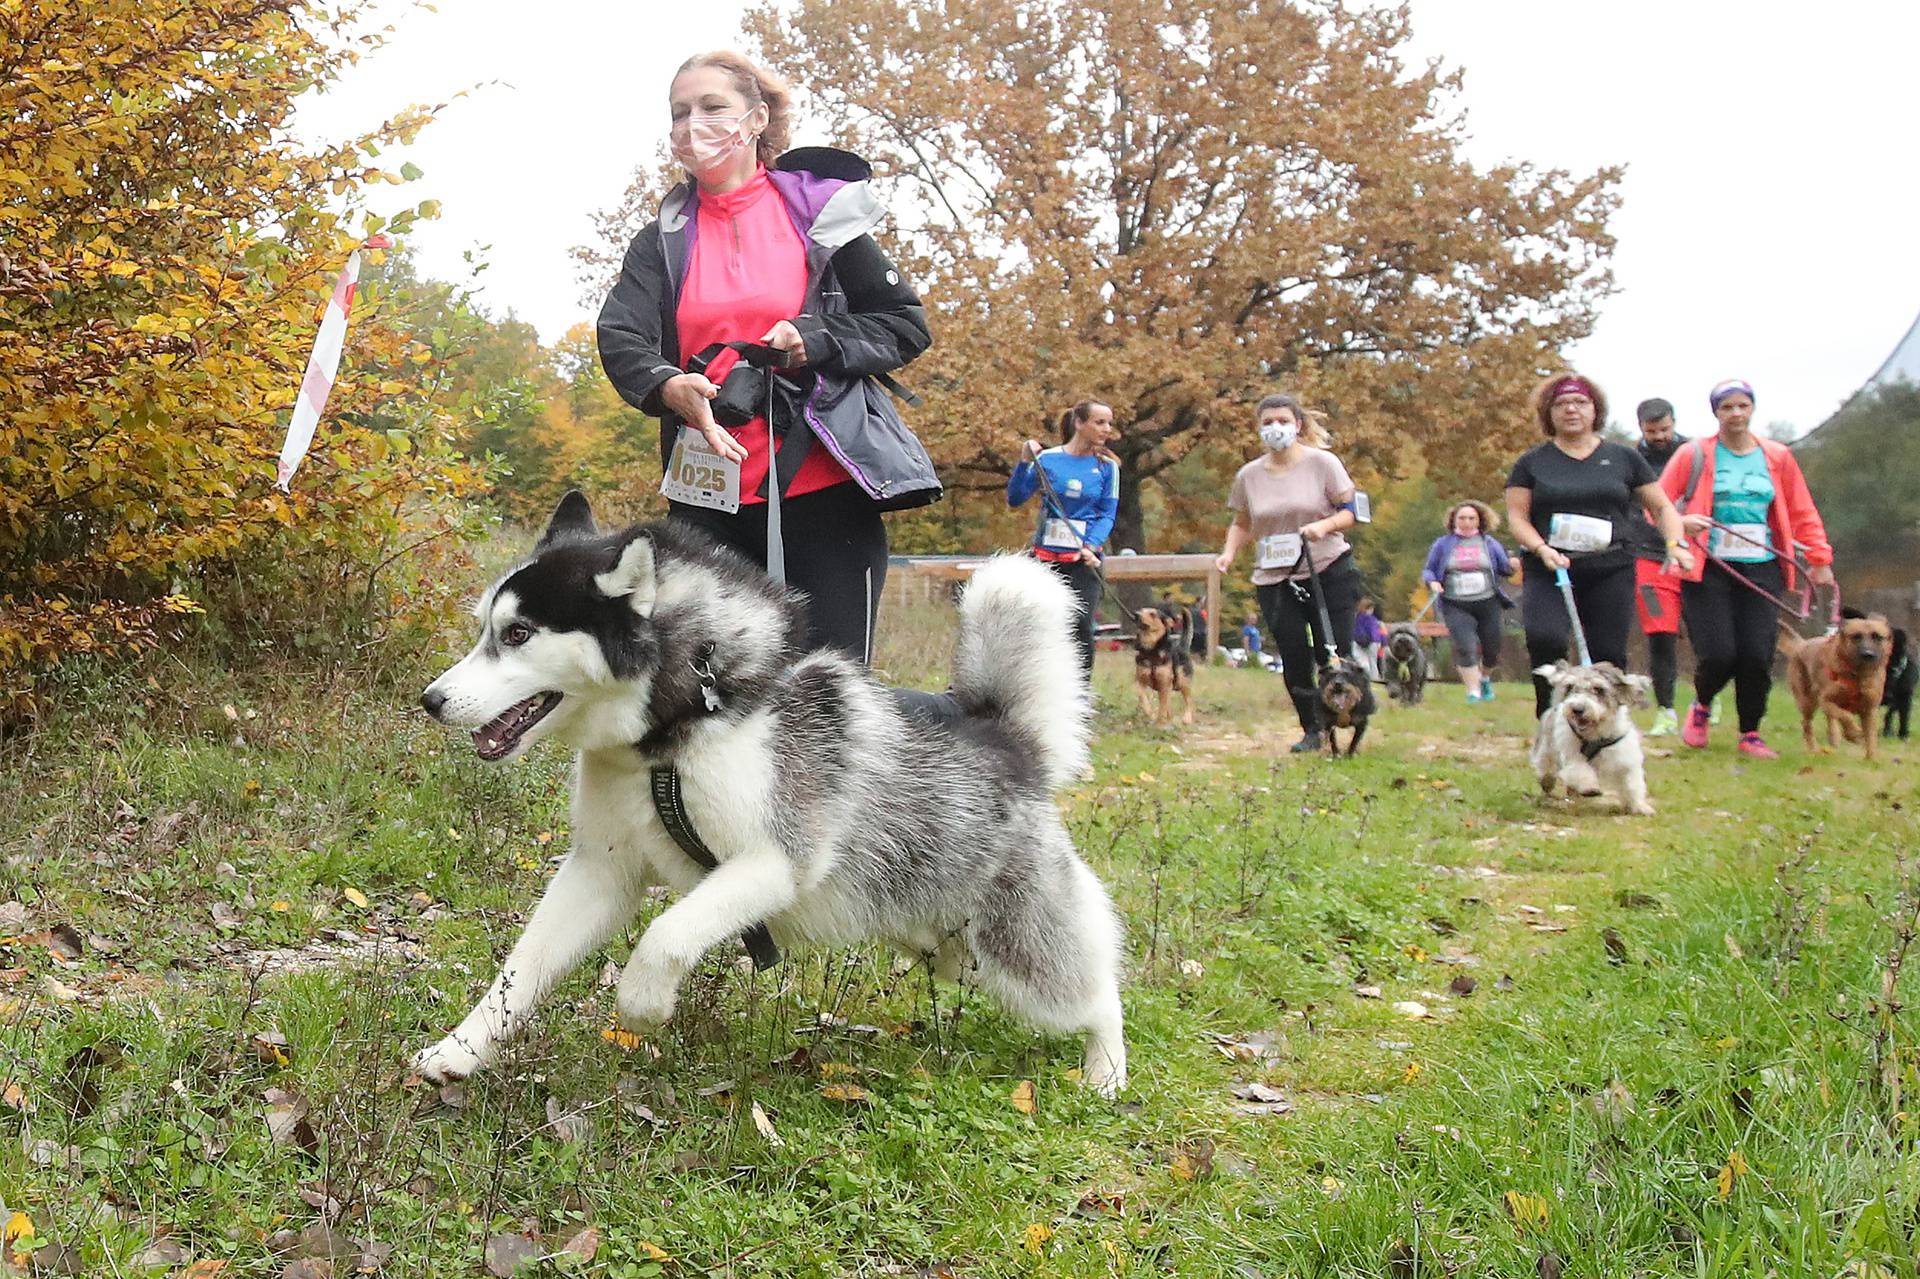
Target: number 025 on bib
(699, 476)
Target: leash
(1565, 584)
(1052, 501)
(1800, 611)
(1327, 640)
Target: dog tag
(1741, 543)
(699, 476)
(1063, 535)
(1579, 533)
(1278, 550)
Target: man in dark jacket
(1657, 593)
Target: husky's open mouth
(501, 734)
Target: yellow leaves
(653, 1251)
(847, 1094)
(625, 1040)
(1411, 1073)
(1022, 1097)
(1036, 1237)
(1529, 1212)
(1730, 1172)
(355, 896)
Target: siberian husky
(835, 809)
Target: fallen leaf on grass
(1632, 900)
(16, 1097)
(1193, 1161)
(286, 1117)
(355, 896)
(271, 1047)
(625, 1040)
(583, 1245)
(1036, 1237)
(1733, 947)
(572, 1127)
(507, 1253)
(1548, 1266)
(1099, 1204)
(1730, 1172)
(1616, 947)
(1022, 1097)
(308, 1268)
(1412, 1008)
(1529, 1212)
(1463, 985)
(653, 1251)
(1367, 992)
(65, 942)
(765, 1125)
(160, 1252)
(849, 1094)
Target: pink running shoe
(1694, 731)
(1750, 744)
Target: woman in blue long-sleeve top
(1085, 479)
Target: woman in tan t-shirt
(1294, 501)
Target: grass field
(1390, 1016)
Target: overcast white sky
(1770, 226)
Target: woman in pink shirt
(773, 249)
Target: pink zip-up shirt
(748, 271)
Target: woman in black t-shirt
(1571, 504)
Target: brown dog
(1842, 674)
(1163, 661)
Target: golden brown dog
(1843, 675)
(1163, 661)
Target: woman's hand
(783, 336)
(686, 395)
(1223, 562)
(1680, 559)
(1696, 524)
(1553, 558)
(1089, 556)
(1820, 574)
(1030, 451)
(1315, 530)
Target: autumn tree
(1179, 205)
(166, 245)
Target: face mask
(1278, 435)
(711, 143)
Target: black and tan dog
(1346, 701)
(1902, 674)
(1163, 660)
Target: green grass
(1259, 891)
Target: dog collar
(1591, 749)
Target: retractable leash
(1052, 500)
(1565, 584)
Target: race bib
(1465, 584)
(1063, 535)
(1579, 533)
(1740, 543)
(1277, 550)
(698, 476)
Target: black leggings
(1663, 663)
(1604, 597)
(836, 551)
(1084, 578)
(1474, 628)
(1733, 631)
(1295, 624)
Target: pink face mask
(709, 143)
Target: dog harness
(672, 808)
(1591, 749)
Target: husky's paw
(451, 1059)
(644, 1005)
(1103, 1073)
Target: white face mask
(711, 144)
(1278, 435)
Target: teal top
(1742, 494)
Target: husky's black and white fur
(836, 812)
(1587, 741)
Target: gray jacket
(860, 321)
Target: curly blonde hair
(1543, 400)
(758, 86)
(1488, 520)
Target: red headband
(1572, 386)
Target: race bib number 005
(1278, 550)
(699, 476)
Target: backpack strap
(1698, 456)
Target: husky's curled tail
(1015, 660)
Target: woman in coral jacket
(1746, 506)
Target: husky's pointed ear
(632, 575)
(572, 518)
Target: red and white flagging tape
(322, 364)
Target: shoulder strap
(1698, 456)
